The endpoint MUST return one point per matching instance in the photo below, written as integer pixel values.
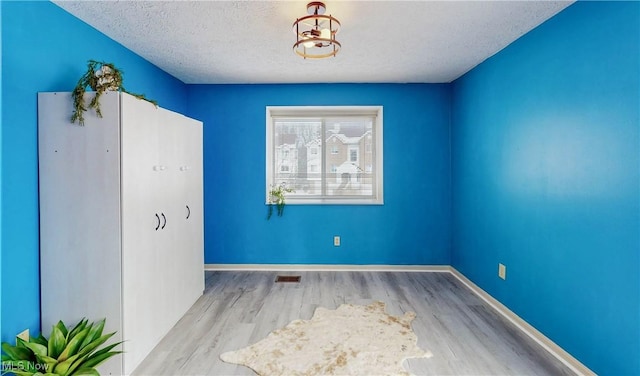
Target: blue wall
(46, 49)
(412, 227)
(546, 180)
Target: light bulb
(325, 34)
(308, 44)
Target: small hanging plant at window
(100, 77)
(276, 197)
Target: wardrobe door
(170, 262)
(194, 233)
(191, 247)
(142, 222)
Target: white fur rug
(351, 340)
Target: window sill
(332, 201)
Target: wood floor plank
(465, 335)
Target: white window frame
(327, 111)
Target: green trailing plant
(276, 197)
(66, 352)
(100, 77)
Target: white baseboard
(328, 267)
(555, 350)
(574, 364)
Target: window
(353, 154)
(333, 154)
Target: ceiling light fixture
(316, 33)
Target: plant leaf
(76, 364)
(20, 342)
(73, 345)
(63, 367)
(106, 349)
(43, 363)
(43, 359)
(60, 325)
(97, 359)
(57, 342)
(39, 339)
(85, 353)
(17, 353)
(25, 373)
(36, 348)
(77, 329)
(93, 345)
(86, 372)
(82, 362)
(95, 332)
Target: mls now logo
(23, 365)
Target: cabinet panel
(189, 204)
(194, 231)
(172, 257)
(141, 216)
(79, 176)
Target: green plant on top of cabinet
(100, 77)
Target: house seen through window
(330, 155)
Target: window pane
(346, 141)
(298, 155)
(327, 155)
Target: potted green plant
(100, 77)
(276, 197)
(66, 352)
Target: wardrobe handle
(165, 220)
(158, 218)
(188, 212)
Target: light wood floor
(237, 309)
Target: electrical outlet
(24, 335)
(502, 271)
(336, 241)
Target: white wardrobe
(121, 222)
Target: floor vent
(288, 278)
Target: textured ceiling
(251, 41)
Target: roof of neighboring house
(347, 139)
(290, 139)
